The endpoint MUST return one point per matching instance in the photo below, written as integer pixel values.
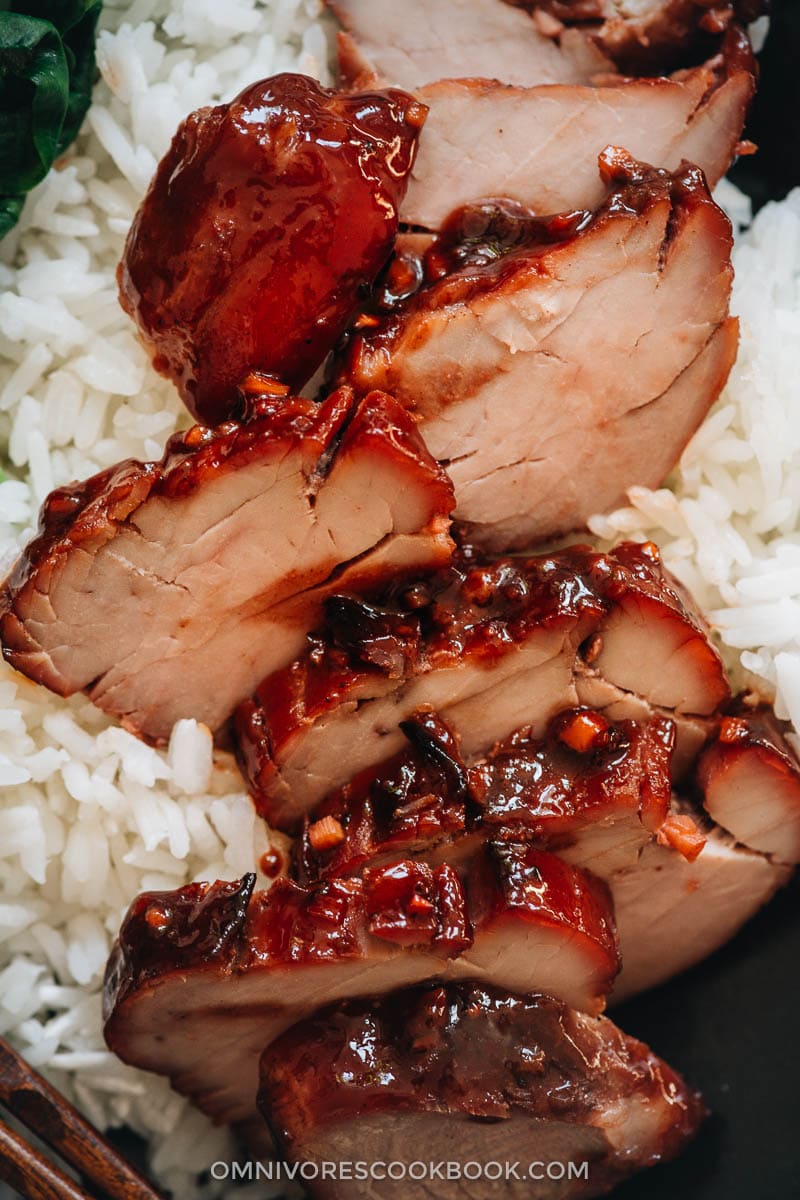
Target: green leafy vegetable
(47, 68)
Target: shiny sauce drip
(478, 244)
(178, 930)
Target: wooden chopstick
(48, 1114)
(30, 1173)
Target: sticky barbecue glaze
(476, 1053)
(481, 612)
(266, 219)
(427, 800)
(483, 246)
(229, 928)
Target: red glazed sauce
(266, 219)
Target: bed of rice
(89, 816)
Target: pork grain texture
(163, 589)
(538, 145)
(551, 365)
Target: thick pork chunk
(538, 146)
(750, 781)
(266, 219)
(554, 42)
(553, 364)
(215, 965)
(164, 589)
(502, 647)
(419, 42)
(468, 1073)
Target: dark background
(731, 1025)
(774, 122)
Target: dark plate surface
(731, 1025)
(774, 123)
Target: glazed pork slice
(164, 589)
(420, 802)
(750, 781)
(538, 146)
(266, 220)
(616, 704)
(595, 793)
(467, 1073)
(503, 646)
(645, 36)
(218, 965)
(591, 790)
(553, 42)
(553, 364)
(418, 42)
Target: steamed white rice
(89, 816)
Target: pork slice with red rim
(750, 783)
(467, 1073)
(167, 590)
(420, 42)
(598, 795)
(499, 647)
(552, 364)
(214, 965)
(538, 146)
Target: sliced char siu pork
(538, 146)
(468, 1073)
(218, 965)
(266, 220)
(616, 704)
(595, 793)
(418, 42)
(553, 364)
(164, 589)
(503, 646)
(553, 42)
(647, 36)
(751, 758)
